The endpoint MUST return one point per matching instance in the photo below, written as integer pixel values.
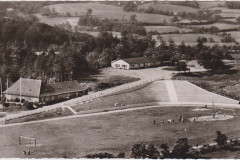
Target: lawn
(147, 93)
(166, 29)
(114, 133)
(107, 11)
(168, 7)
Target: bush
(100, 155)
(3, 100)
(28, 105)
(181, 148)
(141, 151)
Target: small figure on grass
(29, 152)
(24, 152)
(154, 122)
(204, 122)
(194, 120)
(180, 118)
(213, 116)
(205, 106)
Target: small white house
(135, 63)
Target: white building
(135, 63)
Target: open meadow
(219, 25)
(168, 7)
(114, 132)
(189, 37)
(166, 29)
(106, 11)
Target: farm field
(107, 11)
(166, 29)
(235, 34)
(219, 25)
(210, 4)
(192, 38)
(168, 7)
(95, 34)
(226, 10)
(57, 20)
(114, 132)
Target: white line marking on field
(171, 91)
(70, 108)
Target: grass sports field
(114, 132)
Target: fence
(84, 98)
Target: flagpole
(1, 86)
(7, 89)
(20, 91)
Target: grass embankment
(225, 83)
(59, 112)
(146, 93)
(115, 132)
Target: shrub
(181, 148)
(100, 155)
(28, 105)
(141, 151)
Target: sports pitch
(114, 133)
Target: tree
(221, 139)
(130, 7)
(181, 149)
(141, 151)
(68, 14)
(100, 155)
(182, 66)
(165, 151)
(89, 11)
(238, 19)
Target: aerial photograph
(120, 79)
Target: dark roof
(29, 87)
(61, 88)
(138, 60)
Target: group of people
(171, 120)
(27, 152)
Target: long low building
(35, 91)
(135, 63)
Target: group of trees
(192, 4)
(232, 4)
(181, 150)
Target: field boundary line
(171, 90)
(70, 108)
